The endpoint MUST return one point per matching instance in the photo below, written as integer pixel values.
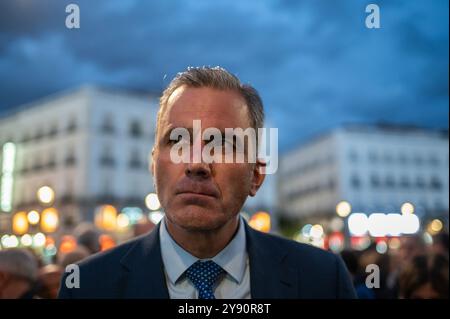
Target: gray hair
(220, 79)
(19, 262)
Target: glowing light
(33, 217)
(393, 224)
(410, 224)
(394, 243)
(260, 221)
(13, 241)
(7, 179)
(106, 242)
(45, 194)
(123, 221)
(377, 225)
(316, 231)
(106, 217)
(26, 240)
(336, 242)
(427, 238)
(407, 208)
(152, 201)
(68, 244)
(5, 240)
(155, 217)
(20, 223)
(306, 230)
(134, 214)
(358, 224)
(381, 247)
(435, 226)
(49, 220)
(343, 209)
(39, 240)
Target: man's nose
(198, 170)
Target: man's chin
(197, 219)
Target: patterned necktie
(204, 275)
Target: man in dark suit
(203, 248)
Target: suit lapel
(143, 275)
(270, 274)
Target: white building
(90, 145)
(375, 168)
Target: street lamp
(343, 209)
(45, 194)
(49, 220)
(20, 223)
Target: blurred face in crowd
(49, 278)
(13, 286)
(201, 196)
(410, 247)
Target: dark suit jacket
(279, 268)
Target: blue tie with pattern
(204, 274)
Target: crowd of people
(414, 271)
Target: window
(375, 181)
(434, 161)
(72, 126)
(355, 182)
(135, 160)
(418, 160)
(107, 159)
(373, 157)
(37, 165)
(353, 156)
(51, 161)
(70, 159)
(135, 129)
(53, 131)
(420, 182)
(405, 182)
(390, 182)
(436, 183)
(39, 135)
(403, 159)
(108, 125)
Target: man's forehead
(215, 108)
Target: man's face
(201, 196)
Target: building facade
(90, 145)
(374, 168)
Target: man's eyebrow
(169, 130)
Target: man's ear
(258, 176)
(151, 161)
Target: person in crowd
(440, 244)
(426, 277)
(18, 274)
(88, 236)
(48, 281)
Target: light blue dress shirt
(235, 284)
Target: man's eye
(177, 139)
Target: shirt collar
(233, 258)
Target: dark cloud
(314, 62)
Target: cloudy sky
(314, 62)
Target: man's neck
(203, 244)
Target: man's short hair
(19, 262)
(220, 79)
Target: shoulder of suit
(111, 256)
(295, 249)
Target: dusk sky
(315, 63)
